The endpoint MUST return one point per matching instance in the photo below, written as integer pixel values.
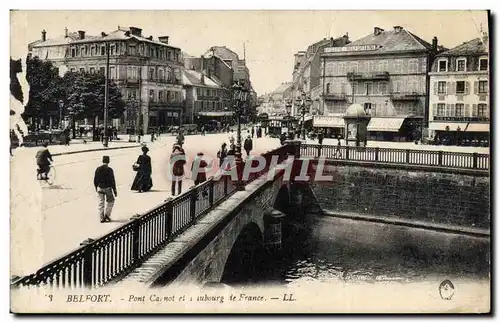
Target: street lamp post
(288, 106)
(305, 102)
(61, 107)
(106, 94)
(239, 99)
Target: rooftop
(472, 47)
(193, 78)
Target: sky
(271, 37)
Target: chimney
(397, 29)
(377, 31)
(103, 34)
(150, 38)
(44, 35)
(65, 32)
(136, 31)
(434, 44)
(81, 34)
(163, 39)
(332, 43)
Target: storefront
(214, 120)
(331, 126)
(386, 129)
(461, 133)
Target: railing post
(440, 157)
(193, 198)
(376, 153)
(407, 156)
(170, 216)
(87, 263)
(225, 178)
(474, 160)
(211, 192)
(347, 152)
(136, 238)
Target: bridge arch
(246, 258)
(282, 202)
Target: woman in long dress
(142, 181)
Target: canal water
(328, 249)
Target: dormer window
(461, 65)
(483, 64)
(443, 65)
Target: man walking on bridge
(105, 186)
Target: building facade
(460, 95)
(387, 73)
(147, 71)
(307, 72)
(207, 100)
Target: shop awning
(385, 124)
(216, 113)
(328, 122)
(473, 127)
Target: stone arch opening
(245, 262)
(282, 202)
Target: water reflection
(344, 250)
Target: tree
(85, 96)
(45, 90)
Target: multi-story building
(147, 71)
(387, 73)
(274, 103)
(207, 100)
(459, 96)
(307, 72)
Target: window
(132, 50)
(103, 50)
(354, 87)
(82, 70)
(342, 68)
(354, 67)
(152, 95)
(72, 70)
(383, 66)
(160, 96)
(151, 73)
(398, 66)
(441, 109)
(441, 87)
(168, 96)
(102, 70)
(112, 72)
(460, 87)
(92, 50)
(198, 91)
(482, 110)
(112, 50)
(92, 70)
(382, 87)
(461, 64)
(442, 65)
(327, 88)
(86, 50)
(82, 50)
(369, 88)
(459, 110)
(368, 107)
(483, 64)
(413, 67)
(169, 55)
(483, 86)
(396, 86)
(372, 66)
(162, 75)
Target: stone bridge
(225, 244)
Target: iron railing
(112, 256)
(398, 156)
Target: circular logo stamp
(446, 289)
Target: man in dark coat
(248, 145)
(177, 162)
(105, 186)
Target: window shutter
(467, 89)
(435, 88)
(474, 110)
(454, 87)
(448, 88)
(434, 109)
(467, 110)
(452, 110)
(476, 87)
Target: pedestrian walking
(180, 138)
(320, 141)
(248, 145)
(222, 153)
(177, 162)
(338, 151)
(66, 136)
(105, 186)
(253, 131)
(198, 169)
(142, 181)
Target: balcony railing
(353, 76)
(405, 96)
(166, 104)
(462, 119)
(334, 96)
(163, 80)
